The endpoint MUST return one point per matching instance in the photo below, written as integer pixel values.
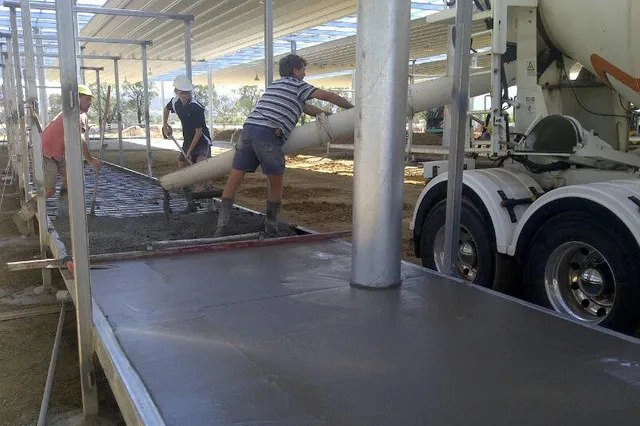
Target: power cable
(575, 94)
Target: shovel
(184, 154)
(92, 212)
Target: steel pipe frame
(31, 93)
(42, 92)
(145, 86)
(98, 97)
(106, 11)
(187, 49)
(410, 116)
(55, 55)
(116, 77)
(210, 96)
(145, 79)
(115, 59)
(77, 216)
(268, 42)
(382, 61)
(23, 149)
(57, 67)
(102, 40)
(10, 109)
(92, 39)
(83, 74)
(459, 120)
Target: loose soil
(27, 342)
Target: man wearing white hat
(197, 140)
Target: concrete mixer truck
(557, 219)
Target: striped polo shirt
(281, 104)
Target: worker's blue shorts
(259, 146)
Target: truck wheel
(476, 249)
(586, 269)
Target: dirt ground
(27, 342)
(317, 194)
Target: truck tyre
(476, 251)
(586, 268)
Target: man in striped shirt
(266, 130)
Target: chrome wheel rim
(579, 282)
(467, 258)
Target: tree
(93, 112)
(201, 93)
(133, 94)
(55, 104)
(247, 98)
(225, 111)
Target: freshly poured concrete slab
(277, 336)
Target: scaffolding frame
(67, 38)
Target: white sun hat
(181, 82)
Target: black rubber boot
(223, 216)
(191, 204)
(271, 220)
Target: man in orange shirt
(52, 139)
(53, 145)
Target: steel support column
(382, 60)
(5, 102)
(13, 110)
(77, 215)
(446, 122)
(116, 76)
(187, 50)
(83, 74)
(210, 96)
(98, 97)
(459, 120)
(44, 101)
(31, 93)
(145, 99)
(268, 42)
(23, 148)
(10, 108)
(410, 117)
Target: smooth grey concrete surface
(277, 336)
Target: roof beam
(94, 39)
(106, 11)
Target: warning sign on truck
(531, 68)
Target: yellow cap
(83, 89)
